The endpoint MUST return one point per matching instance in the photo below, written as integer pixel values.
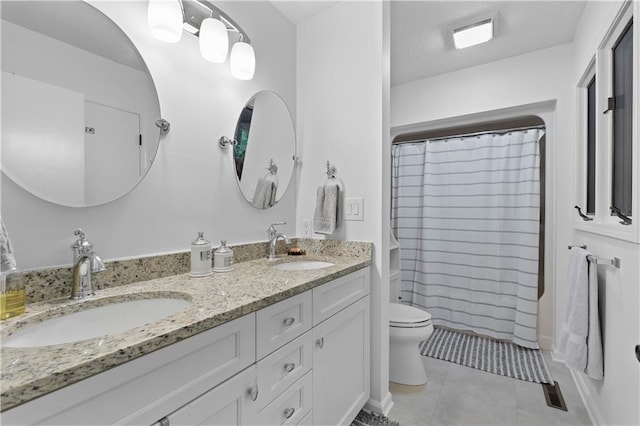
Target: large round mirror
(78, 104)
(264, 156)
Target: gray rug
(483, 353)
(364, 418)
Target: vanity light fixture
(214, 40)
(165, 20)
(242, 60)
(213, 28)
(470, 35)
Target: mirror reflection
(265, 149)
(78, 104)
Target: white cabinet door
(341, 361)
(229, 403)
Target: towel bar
(615, 262)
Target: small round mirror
(265, 150)
(78, 104)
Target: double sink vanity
(272, 342)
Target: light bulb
(242, 61)
(214, 40)
(165, 20)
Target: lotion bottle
(200, 257)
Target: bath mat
(364, 418)
(486, 354)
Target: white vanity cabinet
(304, 360)
(341, 356)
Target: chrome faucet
(85, 262)
(274, 236)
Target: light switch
(354, 209)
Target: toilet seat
(405, 316)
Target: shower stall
(466, 211)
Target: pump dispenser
(223, 258)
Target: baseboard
(578, 379)
(380, 407)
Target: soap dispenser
(200, 257)
(223, 258)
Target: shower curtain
(465, 211)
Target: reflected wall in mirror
(78, 104)
(265, 150)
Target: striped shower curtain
(465, 211)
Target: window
(591, 147)
(607, 195)
(621, 171)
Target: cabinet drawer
(290, 407)
(282, 322)
(284, 367)
(330, 298)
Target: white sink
(301, 266)
(104, 320)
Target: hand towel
(327, 216)
(579, 341)
(595, 368)
(7, 258)
(575, 326)
(265, 194)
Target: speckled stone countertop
(27, 373)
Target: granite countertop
(28, 373)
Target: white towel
(595, 368)
(7, 258)
(579, 340)
(328, 213)
(265, 194)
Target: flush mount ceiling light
(168, 18)
(470, 35)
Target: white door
(112, 152)
(341, 365)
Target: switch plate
(354, 209)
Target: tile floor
(458, 395)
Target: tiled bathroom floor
(458, 395)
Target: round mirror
(78, 104)
(265, 150)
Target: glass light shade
(473, 34)
(165, 20)
(214, 40)
(242, 61)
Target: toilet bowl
(408, 326)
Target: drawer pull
(288, 367)
(253, 392)
(320, 342)
(288, 321)
(288, 412)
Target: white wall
(613, 400)
(191, 186)
(342, 86)
(536, 82)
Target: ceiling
(421, 44)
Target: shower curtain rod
(486, 132)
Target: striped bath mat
(483, 353)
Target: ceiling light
(165, 20)
(473, 34)
(214, 40)
(242, 61)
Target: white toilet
(408, 326)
